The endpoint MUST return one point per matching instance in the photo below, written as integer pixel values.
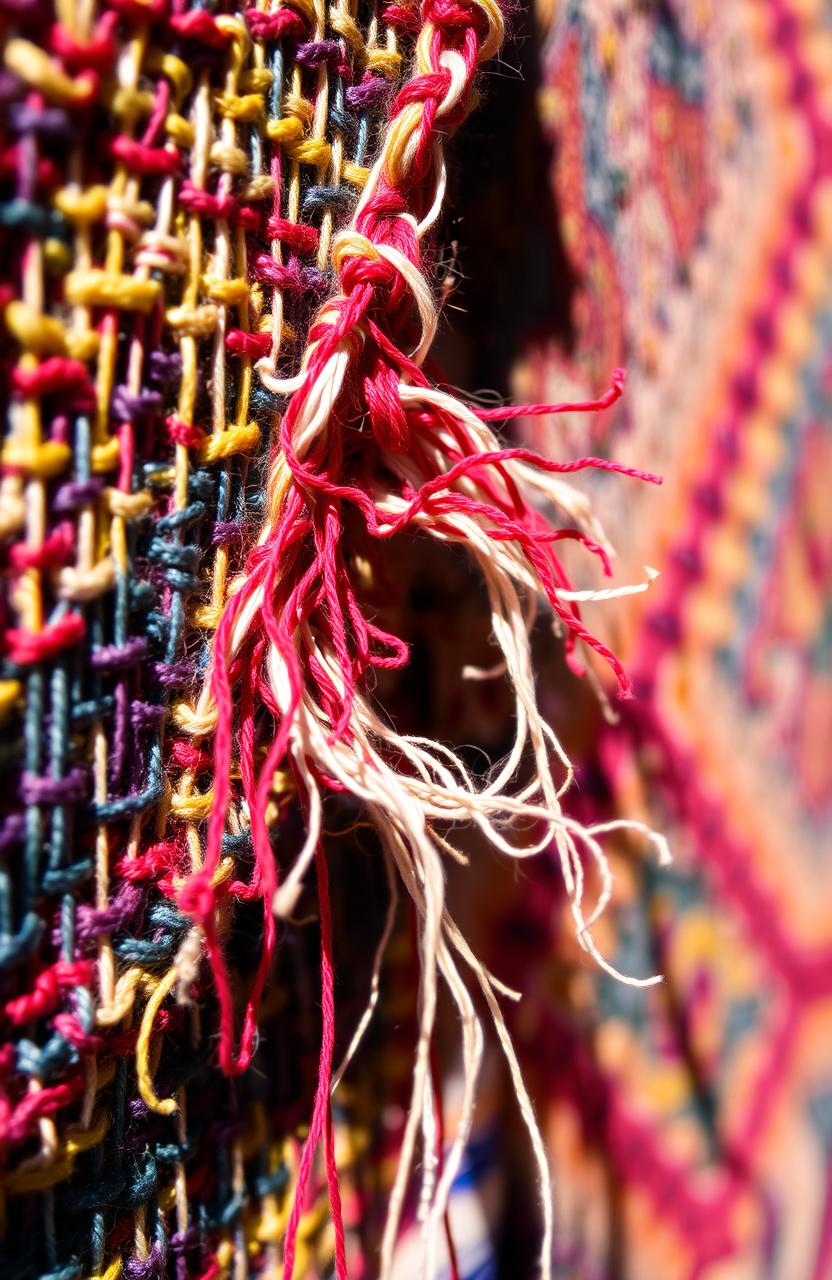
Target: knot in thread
(197, 898)
(358, 261)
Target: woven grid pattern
(172, 182)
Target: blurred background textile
(668, 208)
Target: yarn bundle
(219, 253)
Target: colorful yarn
(217, 305)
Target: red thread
(140, 11)
(403, 17)
(294, 234)
(285, 22)
(68, 1025)
(57, 373)
(143, 159)
(48, 988)
(184, 433)
(198, 24)
(615, 391)
(159, 857)
(300, 574)
(252, 345)
(26, 647)
(291, 277)
(53, 552)
(96, 54)
(218, 208)
(322, 1110)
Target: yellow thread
(193, 808)
(37, 1179)
(386, 61)
(229, 292)
(56, 257)
(256, 80)
(129, 506)
(207, 616)
(10, 692)
(190, 721)
(238, 32)
(259, 188)
(44, 460)
(196, 322)
(249, 107)
(294, 104)
(83, 346)
(224, 444)
(354, 173)
(177, 71)
(167, 1198)
(225, 1254)
(345, 26)
(82, 206)
(315, 151)
(289, 129)
(130, 103)
(40, 72)
(180, 130)
(40, 334)
(112, 1272)
(162, 1106)
(98, 288)
(123, 998)
(105, 456)
(226, 156)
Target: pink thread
(144, 159)
(159, 857)
(198, 24)
(47, 991)
(283, 23)
(184, 433)
(27, 647)
(301, 238)
(614, 393)
(53, 552)
(218, 208)
(57, 373)
(97, 54)
(253, 346)
(322, 1110)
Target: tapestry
(413, 531)
(688, 156)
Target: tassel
(369, 451)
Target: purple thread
(126, 406)
(53, 791)
(12, 830)
(152, 1268)
(119, 732)
(49, 122)
(164, 365)
(175, 673)
(113, 657)
(92, 922)
(372, 92)
(226, 531)
(314, 53)
(146, 715)
(76, 494)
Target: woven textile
(172, 181)
(690, 168)
(220, 297)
